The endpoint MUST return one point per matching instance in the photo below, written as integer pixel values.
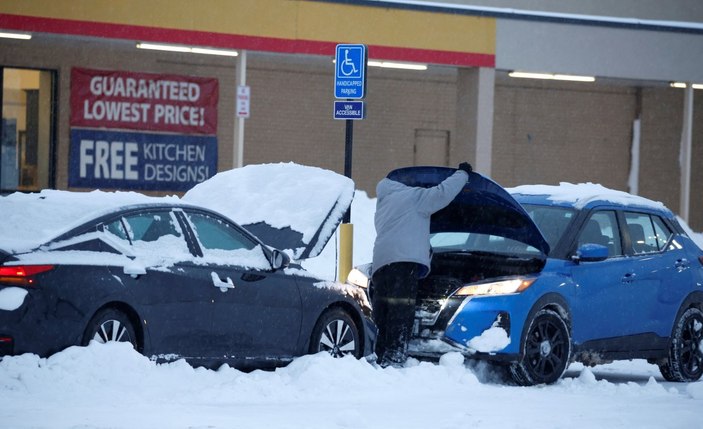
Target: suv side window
(662, 233)
(602, 228)
(648, 233)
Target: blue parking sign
(350, 71)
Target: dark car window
(648, 233)
(154, 233)
(213, 233)
(117, 229)
(223, 244)
(551, 221)
(151, 226)
(602, 228)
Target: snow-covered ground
(112, 386)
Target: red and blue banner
(142, 131)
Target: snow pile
(491, 340)
(11, 298)
(112, 386)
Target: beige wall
(543, 132)
(551, 132)
(291, 117)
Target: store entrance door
(26, 130)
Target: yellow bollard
(346, 250)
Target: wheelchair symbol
(347, 66)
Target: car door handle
(681, 264)
(218, 282)
(629, 277)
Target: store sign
(131, 160)
(142, 131)
(243, 101)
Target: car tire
(110, 325)
(337, 334)
(685, 359)
(546, 350)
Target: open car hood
(288, 206)
(482, 207)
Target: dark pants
(394, 294)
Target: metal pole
(348, 142)
(346, 229)
(685, 155)
(241, 78)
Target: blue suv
(547, 275)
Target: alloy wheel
(338, 338)
(692, 347)
(547, 348)
(112, 330)
(544, 348)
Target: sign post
(349, 85)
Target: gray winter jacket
(403, 219)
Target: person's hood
(387, 186)
(288, 206)
(483, 207)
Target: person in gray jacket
(401, 256)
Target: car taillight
(22, 275)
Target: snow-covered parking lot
(112, 386)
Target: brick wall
(551, 132)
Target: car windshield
(474, 242)
(552, 221)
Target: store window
(26, 130)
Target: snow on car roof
(581, 194)
(283, 195)
(30, 220)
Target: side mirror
(134, 269)
(279, 259)
(590, 252)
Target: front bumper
(462, 320)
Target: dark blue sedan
(177, 281)
(555, 274)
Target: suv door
(662, 273)
(603, 294)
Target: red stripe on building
(234, 41)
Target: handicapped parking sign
(350, 71)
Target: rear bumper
(33, 328)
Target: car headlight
(356, 277)
(502, 287)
